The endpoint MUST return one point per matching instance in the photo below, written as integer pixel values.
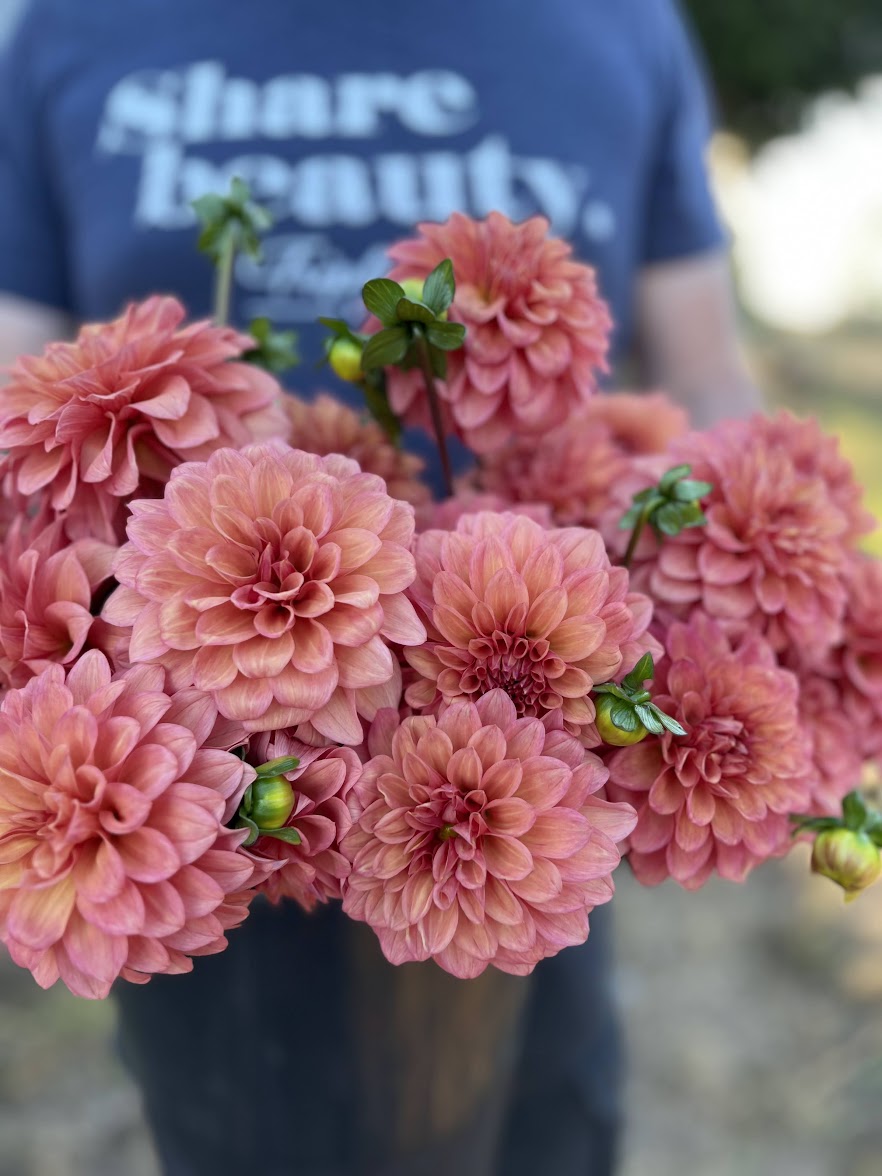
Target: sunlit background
(754, 1014)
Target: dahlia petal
(39, 918)
(338, 719)
(507, 858)
(148, 855)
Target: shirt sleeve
(682, 218)
(33, 261)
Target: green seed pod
(850, 859)
(609, 731)
(272, 802)
(345, 359)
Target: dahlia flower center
(289, 578)
(720, 746)
(523, 667)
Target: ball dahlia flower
(540, 614)
(575, 467)
(313, 871)
(273, 579)
(115, 861)
(718, 798)
(537, 329)
(478, 838)
(47, 585)
(105, 418)
(325, 426)
(772, 555)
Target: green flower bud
(850, 859)
(611, 732)
(272, 802)
(345, 358)
(413, 288)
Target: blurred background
(753, 1014)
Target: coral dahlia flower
(46, 589)
(272, 579)
(772, 556)
(113, 856)
(575, 468)
(537, 329)
(540, 614)
(718, 798)
(106, 417)
(313, 871)
(478, 838)
(325, 426)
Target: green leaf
(641, 673)
(440, 287)
(276, 351)
(666, 721)
(622, 714)
(291, 836)
(381, 296)
(667, 519)
(244, 822)
(608, 688)
(689, 491)
(409, 310)
(854, 811)
(438, 361)
(667, 480)
(278, 766)
(386, 347)
(648, 718)
(446, 336)
(691, 515)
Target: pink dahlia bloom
(443, 516)
(105, 418)
(313, 871)
(772, 555)
(837, 752)
(718, 798)
(46, 589)
(478, 838)
(540, 614)
(537, 330)
(114, 857)
(273, 579)
(575, 468)
(325, 426)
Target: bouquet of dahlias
(244, 652)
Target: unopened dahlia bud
(609, 731)
(272, 802)
(345, 359)
(850, 859)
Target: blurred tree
(768, 57)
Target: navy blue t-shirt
(352, 121)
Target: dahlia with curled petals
(313, 871)
(478, 838)
(718, 798)
(114, 859)
(537, 331)
(540, 614)
(575, 467)
(273, 579)
(325, 426)
(47, 586)
(772, 556)
(105, 418)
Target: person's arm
(26, 327)
(687, 338)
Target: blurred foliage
(768, 57)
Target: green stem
(636, 532)
(223, 282)
(425, 362)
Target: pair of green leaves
(633, 704)
(857, 816)
(670, 506)
(231, 223)
(407, 320)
